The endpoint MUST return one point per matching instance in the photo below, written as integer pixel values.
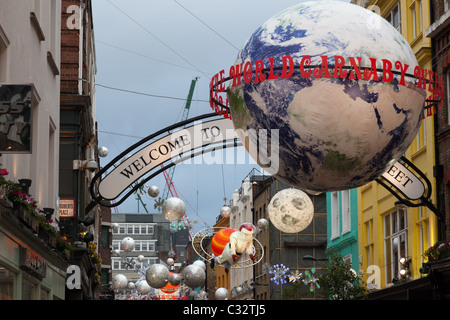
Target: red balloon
(220, 240)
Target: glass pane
(395, 256)
(394, 222)
(387, 225)
(44, 294)
(403, 252)
(6, 284)
(388, 260)
(143, 229)
(136, 229)
(28, 289)
(401, 218)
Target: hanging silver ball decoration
(193, 276)
(222, 294)
(170, 261)
(225, 211)
(173, 209)
(157, 276)
(102, 152)
(200, 263)
(140, 258)
(131, 285)
(153, 191)
(127, 244)
(263, 223)
(143, 287)
(115, 226)
(175, 279)
(120, 281)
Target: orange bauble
(169, 288)
(220, 240)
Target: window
(395, 229)
(28, 290)
(116, 263)
(345, 207)
(415, 11)
(334, 215)
(116, 244)
(6, 284)
(369, 246)
(105, 236)
(393, 17)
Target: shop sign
(67, 208)
(31, 262)
(15, 118)
(405, 181)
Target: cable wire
(145, 94)
(154, 36)
(206, 24)
(145, 56)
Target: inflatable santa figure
(241, 242)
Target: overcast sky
(157, 47)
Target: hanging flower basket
(439, 251)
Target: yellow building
(387, 232)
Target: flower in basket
(64, 242)
(440, 250)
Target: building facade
(439, 33)
(31, 267)
(153, 240)
(342, 225)
(389, 231)
(249, 204)
(78, 156)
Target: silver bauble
(102, 152)
(157, 276)
(200, 263)
(222, 294)
(140, 258)
(115, 226)
(170, 261)
(127, 244)
(263, 223)
(120, 281)
(173, 209)
(225, 211)
(175, 279)
(153, 191)
(193, 276)
(143, 288)
(131, 285)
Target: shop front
(30, 269)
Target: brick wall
(441, 64)
(70, 40)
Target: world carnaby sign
(156, 153)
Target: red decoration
(220, 240)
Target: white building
(241, 205)
(30, 45)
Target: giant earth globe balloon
(333, 133)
